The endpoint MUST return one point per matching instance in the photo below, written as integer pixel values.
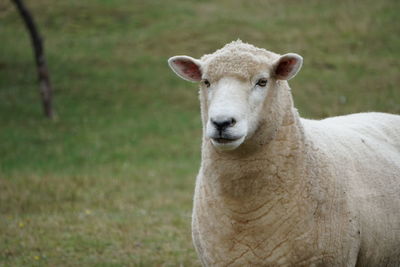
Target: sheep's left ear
(287, 66)
(186, 67)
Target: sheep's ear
(287, 66)
(186, 67)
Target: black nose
(223, 124)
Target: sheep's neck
(262, 174)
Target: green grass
(110, 181)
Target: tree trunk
(43, 73)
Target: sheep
(275, 189)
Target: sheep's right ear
(186, 67)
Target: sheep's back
(362, 136)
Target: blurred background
(109, 181)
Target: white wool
(296, 192)
(236, 58)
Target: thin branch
(37, 43)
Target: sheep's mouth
(225, 140)
(227, 143)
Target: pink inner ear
(285, 67)
(189, 68)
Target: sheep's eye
(207, 83)
(262, 82)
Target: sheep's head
(235, 82)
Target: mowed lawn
(110, 181)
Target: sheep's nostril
(223, 124)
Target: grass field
(109, 182)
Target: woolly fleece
(299, 192)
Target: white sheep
(277, 190)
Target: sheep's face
(233, 109)
(234, 92)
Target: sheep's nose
(222, 124)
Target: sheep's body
(300, 192)
(363, 151)
(327, 195)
